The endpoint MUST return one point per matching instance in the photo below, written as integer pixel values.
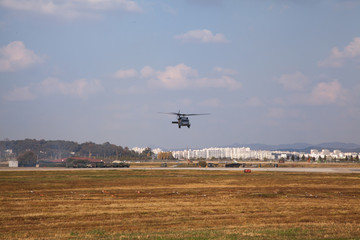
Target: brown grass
(178, 204)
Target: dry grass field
(178, 204)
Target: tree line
(56, 149)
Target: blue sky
(269, 72)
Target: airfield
(149, 168)
(149, 202)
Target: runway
(295, 169)
(310, 170)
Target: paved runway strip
(310, 170)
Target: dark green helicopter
(182, 119)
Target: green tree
(202, 163)
(147, 152)
(27, 159)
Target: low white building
(13, 163)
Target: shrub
(202, 163)
(27, 159)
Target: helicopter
(182, 119)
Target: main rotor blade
(172, 113)
(195, 114)
(184, 114)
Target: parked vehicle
(232, 165)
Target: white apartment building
(140, 150)
(247, 153)
(230, 153)
(336, 154)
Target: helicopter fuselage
(182, 121)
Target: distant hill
(302, 147)
(339, 145)
(57, 149)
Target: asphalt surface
(309, 170)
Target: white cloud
(326, 93)
(70, 8)
(337, 58)
(147, 72)
(322, 93)
(15, 56)
(295, 81)
(20, 94)
(130, 73)
(79, 88)
(202, 36)
(175, 77)
(182, 76)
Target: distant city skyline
(245, 153)
(269, 72)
